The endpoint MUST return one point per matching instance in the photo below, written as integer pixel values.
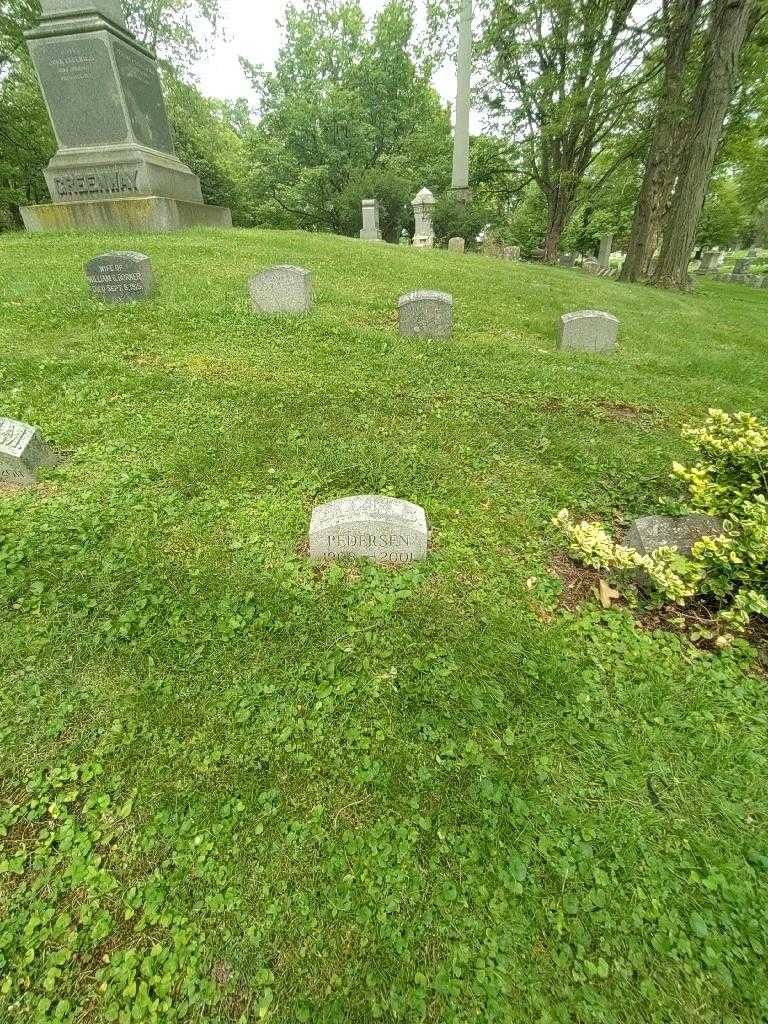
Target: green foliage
(346, 108)
(729, 481)
(454, 218)
(723, 220)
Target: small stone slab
(649, 533)
(456, 244)
(369, 526)
(22, 452)
(120, 276)
(281, 289)
(588, 330)
(567, 259)
(426, 315)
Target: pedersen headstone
(374, 527)
(22, 452)
(370, 231)
(115, 166)
(588, 330)
(649, 533)
(426, 315)
(120, 276)
(456, 244)
(281, 289)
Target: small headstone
(512, 252)
(590, 266)
(281, 289)
(426, 315)
(22, 451)
(370, 231)
(405, 238)
(120, 276)
(370, 526)
(567, 259)
(708, 258)
(647, 534)
(588, 330)
(456, 244)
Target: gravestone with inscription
(22, 452)
(426, 315)
(369, 526)
(281, 290)
(120, 276)
(115, 164)
(456, 244)
(588, 330)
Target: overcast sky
(250, 30)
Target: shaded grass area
(240, 788)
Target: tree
(171, 27)
(345, 106)
(730, 22)
(562, 76)
(678, 22)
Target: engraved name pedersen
(374, 527)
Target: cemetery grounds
(238, 787)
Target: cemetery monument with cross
(115, 167)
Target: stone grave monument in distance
(115, 167)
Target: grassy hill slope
(240, 788)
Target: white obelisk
(460, 180)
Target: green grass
(240, 788)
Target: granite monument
(120, 276)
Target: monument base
(144, 213)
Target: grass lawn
(238, 788)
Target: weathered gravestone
(590, 266)
(708, 260)
(115, 166)
(370, 231)
(649, 533)
(456, 244)
(742, 266)
(426, 315)
(588, 330)
(423, 206)
(120, 276)
(281, 289)
(512, 252)
(374, 527)
(22, 452)
(567, 259)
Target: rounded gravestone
(456, 244)
(120, 276)
(426, 315)
(370, 526)
(282, 289)
(588, 330)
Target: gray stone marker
(426, 315)
(370, 526)
(456, 244)
(567, 259)
(590, 266)
(588, 330)
(281, 289)
(708, 261)
(22, 452)
(115, 165)
(370, 231)
(120, 276)
(424, 232)
(647, 534)
(512, 252)
(604, 257)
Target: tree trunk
(680, 19)
(716, 84)
(558, 210)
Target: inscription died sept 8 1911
(374, 527)
(120, 276)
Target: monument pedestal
(144, 213)
(115, 167)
